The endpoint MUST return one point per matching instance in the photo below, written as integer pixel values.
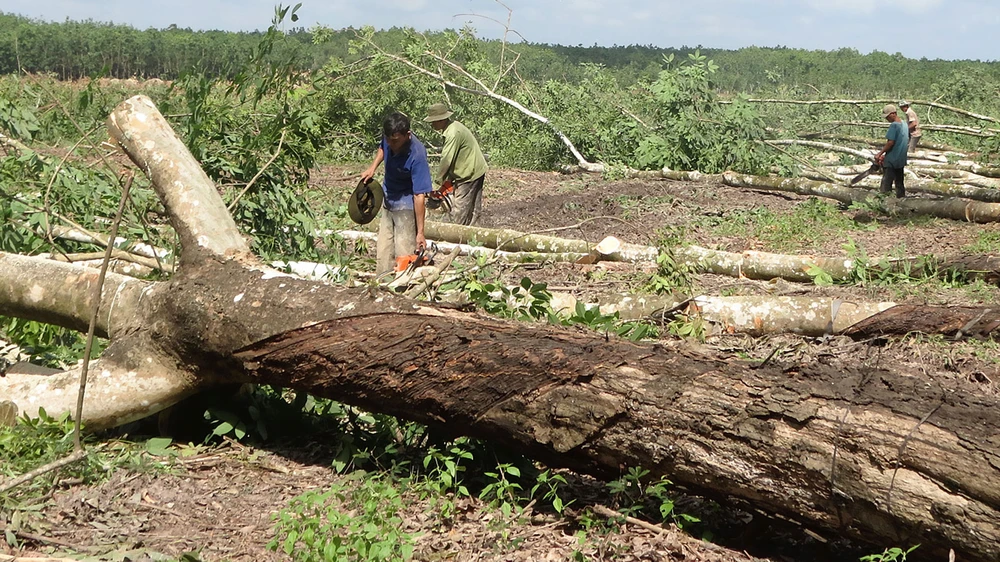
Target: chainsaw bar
(871, 170)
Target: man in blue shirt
(892, 157)
(407, 181)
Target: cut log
(754, 315)
(907, 462)
(949, 208)
(511, 240)
(955, 321)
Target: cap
(888, 110)
(904, 103)
(437, 112)
(365, 202)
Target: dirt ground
(220, 503)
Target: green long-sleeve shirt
(461, 158)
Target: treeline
(73, 50)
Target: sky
(933, 29)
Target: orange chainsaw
(441, 197)
(413, 261)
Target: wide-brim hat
(437, 112)
(365, 202)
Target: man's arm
(370, 172)
(420, 172)
(448, 154)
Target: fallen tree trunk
(877, 102)
(949, 208)
(514, 241)
(470, 250)
(801, 442)
(752, 315)
(941, 189)
(878, 454)
(955, 321)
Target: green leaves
(693, 131)
(19, 120)
(356, 520)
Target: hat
(365, 202)
(437, 112)
(904, 103)
(888, 110)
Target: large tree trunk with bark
(875, 454)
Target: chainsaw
(441, 197)
(875, 168)
(412, 261)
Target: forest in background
(73, 50)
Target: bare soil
(220, 503)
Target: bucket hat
(437, 112)
(365, 202)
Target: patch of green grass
(358, 519)
(631, 204)
(988, 242)
(810, 223)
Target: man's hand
(368, 174)
(421, 242)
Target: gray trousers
(397, 236)
(466, 202)
(914, 141)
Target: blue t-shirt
(406, 173)
(896, 157)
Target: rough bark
(909, 462)
(955, 321)
(874, 454)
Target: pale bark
(941, 189)
(118, 392)
(762, 265)
(60, 293)
(512, 240)
(184, 189)
(752, 315)
(476, 251)
(955, 129)
(124, 244)
(877, 102)
(949, 208)
(863, 154)
(669, 174)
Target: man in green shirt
(462, 162)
